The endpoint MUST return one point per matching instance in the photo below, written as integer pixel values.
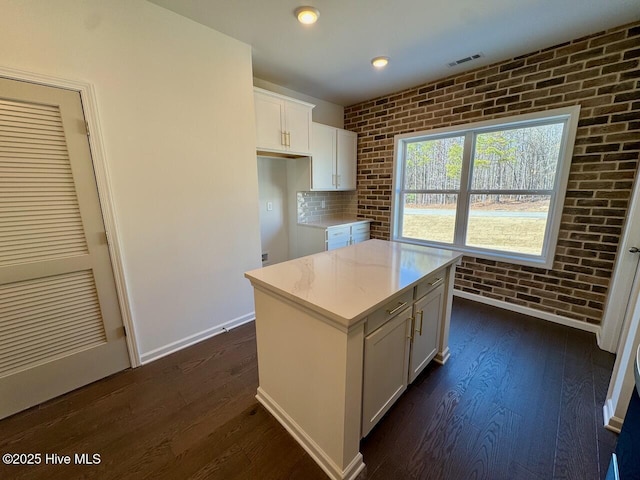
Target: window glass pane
(434, 164)
(429, 217)
(513, 223)
(517, 159)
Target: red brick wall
(599, 72)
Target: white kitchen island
(340, 335)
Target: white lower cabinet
(312, 239)
(344, 235)
(427, 313)
(386, 357)
(360, 232)
(337, 237)
(398, 346)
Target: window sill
(505, 257)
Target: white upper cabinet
(323, 159)
(283, 124)
(298, 126)
(346, 160)
(333, 158)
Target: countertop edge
(339, 224)
(329, 316)
(340, 320)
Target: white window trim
(570, 115)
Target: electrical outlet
(265, 257)
(269, 206)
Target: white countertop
(347, 284)
(334, 222)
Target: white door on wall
(60, 323)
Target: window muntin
(494, 189)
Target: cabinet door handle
(288, 139)
(400, 306)
(437, 281)
(337, 180)
(421, 313)
(283, 138)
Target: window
(494, 189)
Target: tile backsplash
(337, 205)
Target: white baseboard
(532, 312)
(195, 338)
(442, 357)
(312, 448)
(611, 422)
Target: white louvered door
(60, 324)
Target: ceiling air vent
(466, 59)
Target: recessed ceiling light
(380, 62)
(307, 15)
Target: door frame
(622, 381)
(620, 290)
(103, 181)
(620, 332)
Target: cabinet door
(338, 237)
(298, 127)
(427, 314)
(347, 146)
(359, 238)
(386, 357)
(333, 244)
(360, 232)
(323, 157)
(269, 129)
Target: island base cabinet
(386, 358)
(426, 331)
(334, 340)
(310, 380)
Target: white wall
(272, 187)
(323, 112)
(176, 107)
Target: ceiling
(331, 59)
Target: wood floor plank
(606, 440)
(535, 395)
(490, 450)
(512, 386)
(576, 434)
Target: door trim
(622, 280)
(103, 181)
(622, 381)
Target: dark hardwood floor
(520, 398)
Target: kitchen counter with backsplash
(334, 222)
